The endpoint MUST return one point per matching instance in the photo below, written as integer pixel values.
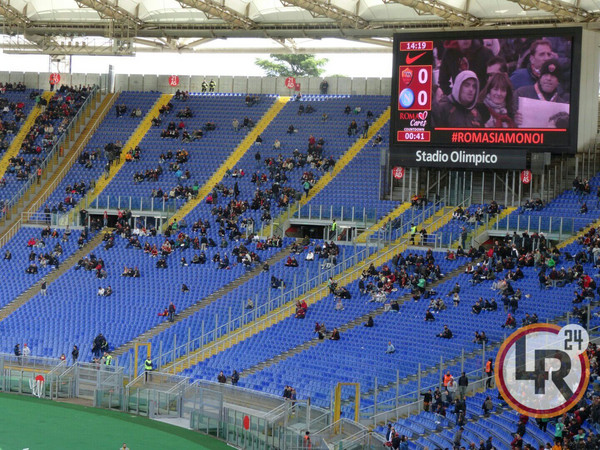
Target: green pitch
(39, 424)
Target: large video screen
(497, 89)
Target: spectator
(446, 333)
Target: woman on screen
(496, 103)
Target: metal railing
(91, 129)
(132, 203)
(213, 345)
(12, 231)
(366, 217)
(55, 149)
(39, 363)
(560, 226)
(390, 233)
(393, 232)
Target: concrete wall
(193, 83)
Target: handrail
(416, 394)
(388, 234)
(12, 231)
(529, 225)
(330, 212)
(130, 203)
(50, 187)
(55, 148)
(386, 254)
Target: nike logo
(410, 60)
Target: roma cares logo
(542, 370)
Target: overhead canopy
(126, 26)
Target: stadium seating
(233, 304)
(73, 313)
(357, 185)
(52, 326)
(563, 210)
(68, 104)
(112, 129)
(19, 281)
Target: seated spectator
(429, 317)
(291, 262)
(510, 322)
(390, 348)
(335, 335)
(446, 333)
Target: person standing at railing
(26, 351)
(148, 368)
(489, 372)
(333, 229)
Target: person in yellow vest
(333, 229)
(148, 368)
(413, 232)
(107, 358)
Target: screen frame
(574, 32)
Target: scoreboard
(430, 125)
(415, 81)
